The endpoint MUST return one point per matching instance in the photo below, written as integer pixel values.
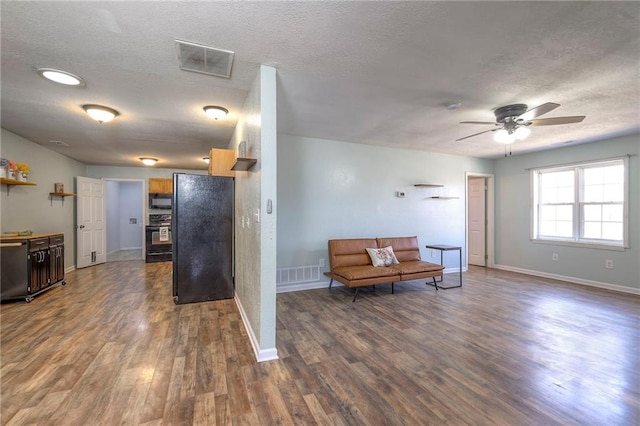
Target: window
(581, 204)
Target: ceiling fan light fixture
(522, 133)
(503, 136)
(101, 114)
(148, 161)
(215, 112)
(61, 77)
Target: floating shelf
(428, 185)
(13, 182)
(244, 164)
(437, 197)
(61, 195)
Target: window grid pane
(584, 203)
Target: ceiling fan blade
(557, 120)
(478, 122)
(476, 134)
(538, 111)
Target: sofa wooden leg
(355, 295)
(330, 282)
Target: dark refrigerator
(202, 233)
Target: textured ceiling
(376, 73)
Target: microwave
(160, 201)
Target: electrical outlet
(608, 264)
(554, 256)
(321, 263)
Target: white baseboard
(573, 280)
(123, 248)
(262, 355)
(70, 269)
(287, 288)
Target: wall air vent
(203, 59)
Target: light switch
(257, 215)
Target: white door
(477, 220)
(91, 227)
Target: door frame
(489, 214)
(145, 215)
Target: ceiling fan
(513, 121)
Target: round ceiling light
(522, 133)
(215, 112)
(101, 114)
(148, 161)
(61, 77)
(503, 136)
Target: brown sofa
(351, 265)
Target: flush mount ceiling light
(148, 161)
(60, 76)
(215, 112)
(101, 114)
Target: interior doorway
(125, 219)
(479, 219)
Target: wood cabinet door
(221, 161)
(56, 264)
(38, 270)
(160, 186)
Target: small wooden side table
(442, 248)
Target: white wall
(515, 250)
(256, 238)
(31, 207)
(130, 207)
(331, 189)
(112, 199)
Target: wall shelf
(244, 164)
(61, 195)
(13, 182)
(437, 197)
(428, 185)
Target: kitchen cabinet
(56, 259)
(221, 161)
(160, 186)
(38, 261)
(30, 265)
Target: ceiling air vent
(203, 59)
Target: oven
(159, 246)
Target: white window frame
(578, 221)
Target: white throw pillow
(382, 256)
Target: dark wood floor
(506, 349)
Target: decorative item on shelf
(3, 167)
(58, 188)
(23, 172)
(12, 169)
(242, 149)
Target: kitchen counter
(29, 237)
